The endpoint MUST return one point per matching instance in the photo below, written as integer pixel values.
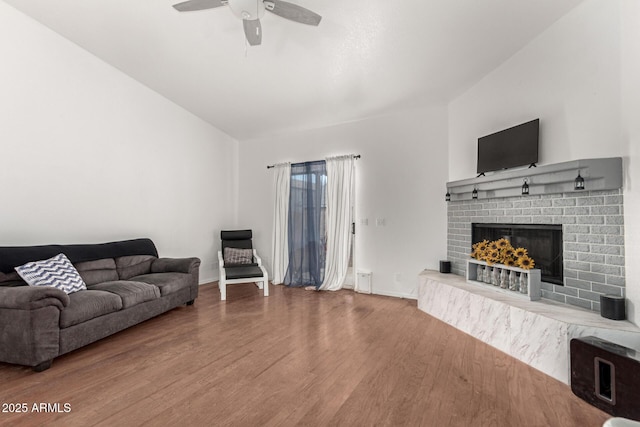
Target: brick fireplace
(538, 332)
(593, 238)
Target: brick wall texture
(592, 230)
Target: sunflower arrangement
(501, 252)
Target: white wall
(400, 177)
(90, 155)
(571, 77)
(631, 141)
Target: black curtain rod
(357, 156)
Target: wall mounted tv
(509, 148)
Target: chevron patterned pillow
(57, 272)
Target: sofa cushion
(243, 272)
(56, 271)
(98, 271)
(88, 304)
(13, 256)
(10, 278)
(167, 282)
(131, 293)
(135, 265)
(13, 283)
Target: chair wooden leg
(266, 283)
(223, 290)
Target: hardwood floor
(295, 358)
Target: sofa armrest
(32, 297)
(177, 265)
(190, 266)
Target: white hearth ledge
(535, 332)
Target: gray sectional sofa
(126, 284)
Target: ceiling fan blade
(188, 6)
(293, 12)
(252, 31)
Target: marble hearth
(535, 332)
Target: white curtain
(340, 200)
(280, 238)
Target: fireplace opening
(543, 243)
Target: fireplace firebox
(542, 241)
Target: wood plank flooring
(294, 358)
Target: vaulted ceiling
(366, 58)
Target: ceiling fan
(250, 11)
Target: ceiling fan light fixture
(250, 12)
(247, 9)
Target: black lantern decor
(447, 196)
(525, 188)
(474, 193)
(578, 184)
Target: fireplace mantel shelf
(598, 174)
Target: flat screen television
(509, 148)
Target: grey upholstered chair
(239, 262)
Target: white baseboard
(347, 287)
(207, 280)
